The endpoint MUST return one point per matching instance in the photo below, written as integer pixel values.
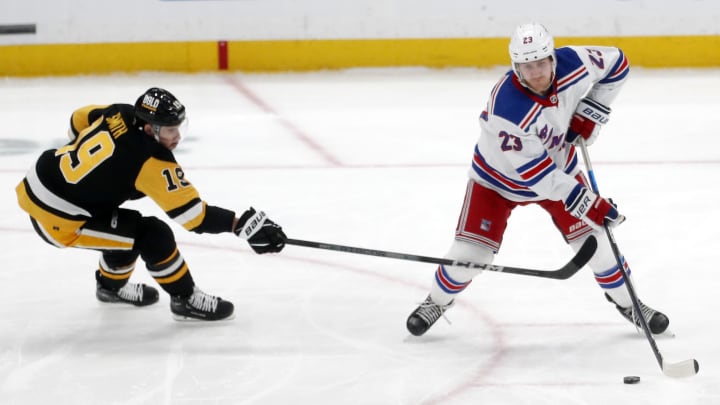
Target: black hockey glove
(262, 234)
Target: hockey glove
(594, 210)
(586, 122)
(262, 234)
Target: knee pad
(466, 251)
(451, 280)
(603, 259)
(155, 241)
(119, 259)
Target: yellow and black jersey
(108, 161)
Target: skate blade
(189, 319)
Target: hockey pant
(478, 237)
(122, 237)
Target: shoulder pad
(509, 101)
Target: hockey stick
(686, 368)
(581, 257)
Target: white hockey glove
(262, 234)
(586, 122)
(594, 210)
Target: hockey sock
(445, 286)
(613, 283)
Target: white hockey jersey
(522, 153)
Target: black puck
(631, 379)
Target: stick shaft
(565, 272)
(619, 261)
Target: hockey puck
(631, 379)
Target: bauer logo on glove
(594, 210)
(594, 115)
(262, 234)
(587, 120)
(252, 221)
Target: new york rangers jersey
(521, 152)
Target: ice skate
(200, 306)
(131, 293)
(422, 318)
(656, 320)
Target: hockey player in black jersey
(120, 152)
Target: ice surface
(376, 159)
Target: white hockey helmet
(530, 42)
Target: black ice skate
(131, 293)
(656, 320)
(200, 306)
(425, 316)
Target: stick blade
(586, 252)
(685, 368)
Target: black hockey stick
(581, 257)
(685, 368)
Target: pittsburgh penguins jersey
(108, 161)
(521, 152)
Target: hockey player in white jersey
(549, 100)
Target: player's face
(169, 137)
(537, 75)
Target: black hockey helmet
(158, 107)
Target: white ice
(375, 159)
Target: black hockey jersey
(108, 161)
